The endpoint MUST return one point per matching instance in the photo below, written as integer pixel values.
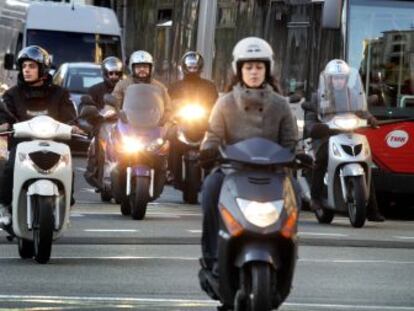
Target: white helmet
(337, 67)
(252, 49)
(140, 57)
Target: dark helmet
(36, 54)
(192, 59)
(112, 64)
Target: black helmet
(36, 54)
(192, 59)
(112, 64)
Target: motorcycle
(42, 185)
(347, 182)
(140, 150)
(103, 122)
(192, 121)
(257, 244)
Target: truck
(69, 32)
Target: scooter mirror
(294, 98)
(319, 131)
(110, 100)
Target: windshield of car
(75, 47)
(78, 80)
(381, 45)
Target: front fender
(43, 187)
(251, 253)
(352, 169)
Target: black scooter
(257, 243)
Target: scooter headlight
(132, 144)
(192, 112)
(261, 214)
(347, 123)
(155, 145)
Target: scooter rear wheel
(324, 215)
(26, 248)
(43, 224)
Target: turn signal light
(232, 225)
(289, 229)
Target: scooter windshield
(143, 105)
(257, 151)
(338, 94)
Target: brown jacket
(245, 113)
(121, 86)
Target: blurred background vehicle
(77, 78)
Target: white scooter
(42, 185)
(347, 181)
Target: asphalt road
(106, 261)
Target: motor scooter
(42, 185)
(139, 150)
(191, 124)
(257, 239)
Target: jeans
(209, 203)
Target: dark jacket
(244, 113)
(25, 102)
(193, 88)
(98, 91)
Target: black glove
(373, 122)
(208, 157)
(304, 160)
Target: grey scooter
(257, 245)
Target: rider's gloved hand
(207, 157)
(373, 122)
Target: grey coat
(244, 113)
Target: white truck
(70, 33)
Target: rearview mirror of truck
(9, 61)
(331, 14)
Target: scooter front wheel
(43, 224)
(258, 287)
(192, 181)
(139, 198)
(357, 203)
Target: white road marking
(89, 190)
(335, 261)
(81, 169)
(110, 230)
(404, 237)
(322, 234)
(194, 231)
(192, 302)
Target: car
(77, 78)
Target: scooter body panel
(29, 181)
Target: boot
(5, 216)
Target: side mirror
(294, 98)
(9, 61)
(110, 100)
(319, 131)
